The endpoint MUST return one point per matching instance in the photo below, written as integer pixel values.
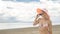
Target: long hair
(45, 19)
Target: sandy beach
(31, 30)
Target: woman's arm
(35, 21)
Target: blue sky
(23, 0)
(28, 0)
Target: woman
(43, 19)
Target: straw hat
(39, 11)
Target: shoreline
(4, 26)
(29, 30)
(24, 27)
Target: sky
(13, 12)
(23, 0)
(28, 0)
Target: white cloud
(23, 11)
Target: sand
(31, 30)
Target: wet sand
(31, 30)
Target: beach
(29, 30)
